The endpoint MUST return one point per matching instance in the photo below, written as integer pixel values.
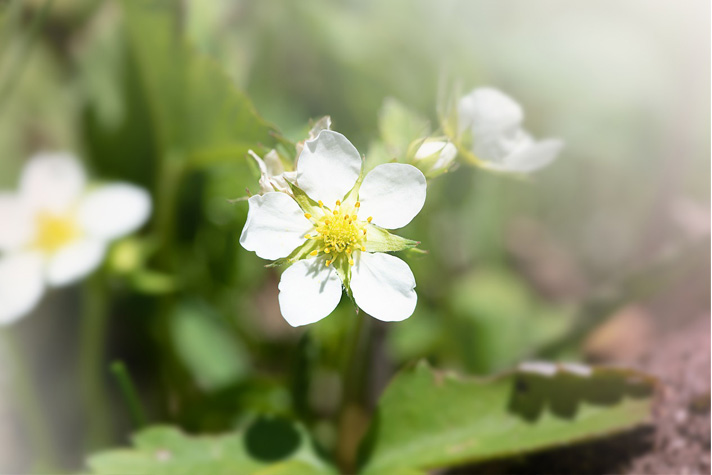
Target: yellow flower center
(340, 233)
(54, 231)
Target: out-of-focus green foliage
(197, 111)
(166, 450)
(215, 357)
(427, 419)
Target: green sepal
(302, 252)
(343, 269)
(352, 196)
(380, 240)
(307, 204)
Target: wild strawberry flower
(493, 121)
(333, 231)
(54, 230)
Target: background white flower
(334, 230)
(54, 231)
(273, 176)
(494, 121)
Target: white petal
(487, 110)
(52, 182)
(275, 225)
(273, 163)
(533, 157)
(74, 261)
(543, 368)
(392, 193)
(495, 148)
(114, 210)
(308, 292)
(328, 167)
(16, 224)
(383, 286)
(21, 285)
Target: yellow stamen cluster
(340, 232)
(54, 232)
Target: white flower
(53, 231)
(434, 156)
(333, 229)
(273, 176)
(494, 121)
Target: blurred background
(592, 259)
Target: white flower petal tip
(578, 369)
(275, 226)
(114, 210)
(534, 157)
(547, 369)
(542, 368)
(488, 110)
(21, 285)
(328, 167)
(498, 140)
(74, 261)
(384, 287)
(392, 194)
(52, 181)
(308, 292)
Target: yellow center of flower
(54, 231)
(339, 232)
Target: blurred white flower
(435, 156)
(333, 228)
(54, 231)
(498, 141)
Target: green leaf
(426, 419)
(214, 356)
(198, 110)
(165, 450)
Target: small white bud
(435, 156)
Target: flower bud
(434, 157)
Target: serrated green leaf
(199, 112)
(427, 419)
(165, 450)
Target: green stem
(31, 410)
(92, 356)
(352, 387)
(129, 392)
